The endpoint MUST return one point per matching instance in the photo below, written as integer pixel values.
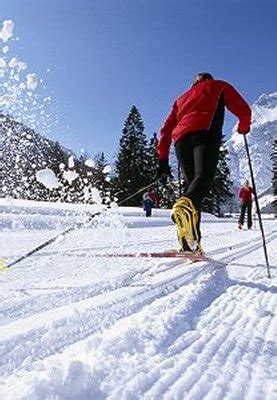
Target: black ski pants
(246, 207)
(197, 153)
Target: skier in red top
(245, 195)
(194, 125)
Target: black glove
(164, 171)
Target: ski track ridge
(199, 361)
(137, 298)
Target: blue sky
(104, 56)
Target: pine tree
(131, 166)
(101, 177)
(152, 157)
(221, 190)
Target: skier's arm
(238, 106)
(166, 133)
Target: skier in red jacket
(245, 195)
(194, 125)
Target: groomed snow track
(75, 326)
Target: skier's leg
(249, 215)
(205, 154)
(184, 155)
(198, 156)
(242, 214)
(205, 150)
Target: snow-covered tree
(101, 177)
(131, 166)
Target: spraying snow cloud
(70, 176)
(32, 81)
(71, 163)
(7, 30)
(48, 178)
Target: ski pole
(53, 239)
(257, 206)
(139, 191)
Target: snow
(90, 163)
(32, 81)
(107, 169)
(48, 178)
(71, 163)
(7, 30)
(13, 62)
(76, 324)
(7, 99)
(5, 49)
(70, 176)
(260, 139)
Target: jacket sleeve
(238, 106)
(166, 133)
(241, 193)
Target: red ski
(163, 254)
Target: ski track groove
(75, 334)
(191, 358)
(218, 352)
(200, 360)
(29, 307)
(188, 276)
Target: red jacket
(194, 111)
(245, 194)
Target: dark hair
(202, 76)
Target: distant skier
(245, 196)
(194, 125)
(148, 203)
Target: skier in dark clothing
(245, 195)
(195, 127)
(148, 203)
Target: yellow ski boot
(185, 216)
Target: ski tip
(2, 264)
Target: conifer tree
(101, 177)
(152, 157)
(221, 190)
(131, 166)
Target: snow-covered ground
(75, 324)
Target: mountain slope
(260, 140)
